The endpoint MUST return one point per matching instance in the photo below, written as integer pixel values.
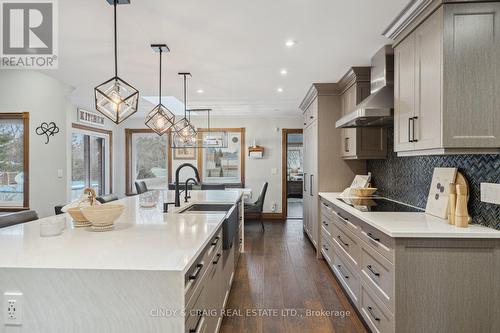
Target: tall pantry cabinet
(324, 168)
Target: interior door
(404, 94)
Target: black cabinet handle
(216, 261)
(410, 120)
(216, 240)
(373, 237)
(324, 246)
(304, 181)
(199, 323)
(197, 272)
(311, 117)
(340, 270)
(343, 218)
(340, 239)
(311, 185)
(413, 129)
(370, 268)
(326, 224)
(370, 310)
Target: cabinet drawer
(377, 240)
(195, 319)
(379, 318)
(327, 224)
(196, 272)
(345, 220)
(348, 243)
(347, 275)
(378, 272)
(326, 209)
(326, 249)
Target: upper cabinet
(447, 79)
(359, 143)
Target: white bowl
(103, 215)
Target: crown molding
(353, 75)
(319, 89)
(407, 16)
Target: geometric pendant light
(184, 130)
(160, 119)
(115, 98)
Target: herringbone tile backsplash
(407, 179)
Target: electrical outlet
(13, 307)
(490, 193)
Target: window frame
(103, 131)
(25, 116)
(240, 130)
(129, 132)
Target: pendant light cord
(159, 93)
(185, 100)
(116, 43)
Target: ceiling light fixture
(115, 98)
(184, 130)
(160, 119)
(290, 43)
(283, 72)
(280, 90)
(200, 91)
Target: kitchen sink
(206, 208)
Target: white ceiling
(234, 48)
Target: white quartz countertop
(143, 238)
(412, 225)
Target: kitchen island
(154, 272)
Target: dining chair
(258, 206)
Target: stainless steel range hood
(377, 110)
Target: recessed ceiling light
(283, 72)
(290, 43)
(200, 91)
(280, 90)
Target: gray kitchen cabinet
(447, 74)
(324, 168)
(413, 284)
(359, 143)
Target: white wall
(46, 99)
(266, 131)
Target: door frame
(284, 164)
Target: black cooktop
(378, 205)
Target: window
(224, 165)
(147, 158)
(14, 161)
(91, 160)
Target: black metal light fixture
(115, 98)
(184, 131)
(206, 138)
(160, 119)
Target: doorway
(292, 150)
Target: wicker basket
(79, 220)
(103, 217)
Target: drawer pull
(340, 215)
(373, 237)
(341, 271)
(340, 239)
(216, 261)
(216, 240)
(197, 272)
(370, 268)
(199, 324)
(326, 224)
(370, 310)
(324, 246)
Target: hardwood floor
(279, 271)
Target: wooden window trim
(25, 116)
(109, 133)
(240, 130)
(129, 132)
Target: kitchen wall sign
(437, 201)
(47, 129)
(89, 117)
